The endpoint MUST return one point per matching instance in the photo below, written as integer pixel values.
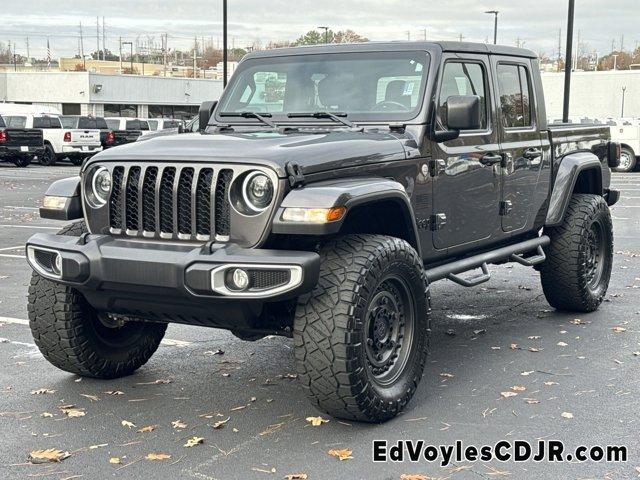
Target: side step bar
(514, 253)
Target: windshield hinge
(296, 178)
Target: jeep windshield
(361, 86)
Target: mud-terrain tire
(575, 277)
(372, 299)
(70, 335)
(628, 161)
(76, 161)
(22, 162)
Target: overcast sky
(536, 23)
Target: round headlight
(257, 191)
(101, 185)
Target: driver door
(466, 185)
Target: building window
(172, 111)
(71, 109)
(119, 110)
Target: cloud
(535, 23)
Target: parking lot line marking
(11, 248)
(168, 342)
(31, 226)
(21, 208)
(6, 255)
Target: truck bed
(569, 137)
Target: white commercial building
(594, 94)
(109, 95)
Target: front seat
(396, 92)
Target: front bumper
(171, 282)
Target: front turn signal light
(313, 215)
(54, 203)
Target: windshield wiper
(258, 116)
(333, 116)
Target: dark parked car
(107, 138)
(20, 145)
(322, 211)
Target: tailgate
(126, 136)
(23, 137)
(85, 137)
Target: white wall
(594, 94)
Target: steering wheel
(388, 105)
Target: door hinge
(437, 222)
(296, 177)
(506, 207)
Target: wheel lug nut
(369, 342)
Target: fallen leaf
(263, 470)
(241, 407)
(128, 424)
(296, 476)
(566, 415)
(619, 329)
(479, 332)
(147, 429)
(532, 401)
(534, 350)
(513, 346)
(526, 374)
(406, 476)
(158, 456)
(495, 472)
(562, 344)
(42, 391)
(49, 455)
(446, 375)
(115, 461)
(193, 441)
(113, 392)
(577, 321)
(535, 337)
(93, 447)
(508, 394)
(518, 388)
(73, 412)
(178, 424)
(316, 421)
(93, 398)
(221, 423)
(341, 453)
(46, 415)
(548, 384)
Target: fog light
(239, 279)
(57, 265)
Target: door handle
(491, 159)
(532, 153)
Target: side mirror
(204, 114)
(464, 112)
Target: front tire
(75, 338)
(627, 161)
(575, 277)
(361, 336)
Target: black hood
(312, 151)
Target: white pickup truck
(627, 133)
(59, 142)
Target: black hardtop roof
(461, 47)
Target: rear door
(520, 140)
(466, 177)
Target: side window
(41, 122)
(16, 121)
(462, 78)
(515, 93)
(113, 124)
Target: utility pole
(460, 38)
(84, 62)
(98, 36)
(28, 55)
(164, 52)
(559, 47)
(104, 42)
(424, 32)
(120, 46)
(622, 43)
(495, 24)
(195, 53)
(225, 46)
(568, 61)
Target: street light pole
(495, 25)
(326, 33)
(225, 53)
(568, 61)
(130, 57)
(624, 91)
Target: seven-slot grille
(186, 203)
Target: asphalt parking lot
(486, 341)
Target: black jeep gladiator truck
(20, 145)
(325, 191)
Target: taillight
(110, 137)
(3, 136)
(67, 136)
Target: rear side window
(113, 124)
(41, 122)
(133, 125)
(15, 121)
(87, 122)
(153, 124)
(101, 123)
(68, 122)
(144, 125)
(171, 124)
(515, 96)
(462, 78)
(2, 124)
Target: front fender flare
(347, 193)
(565, 181)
